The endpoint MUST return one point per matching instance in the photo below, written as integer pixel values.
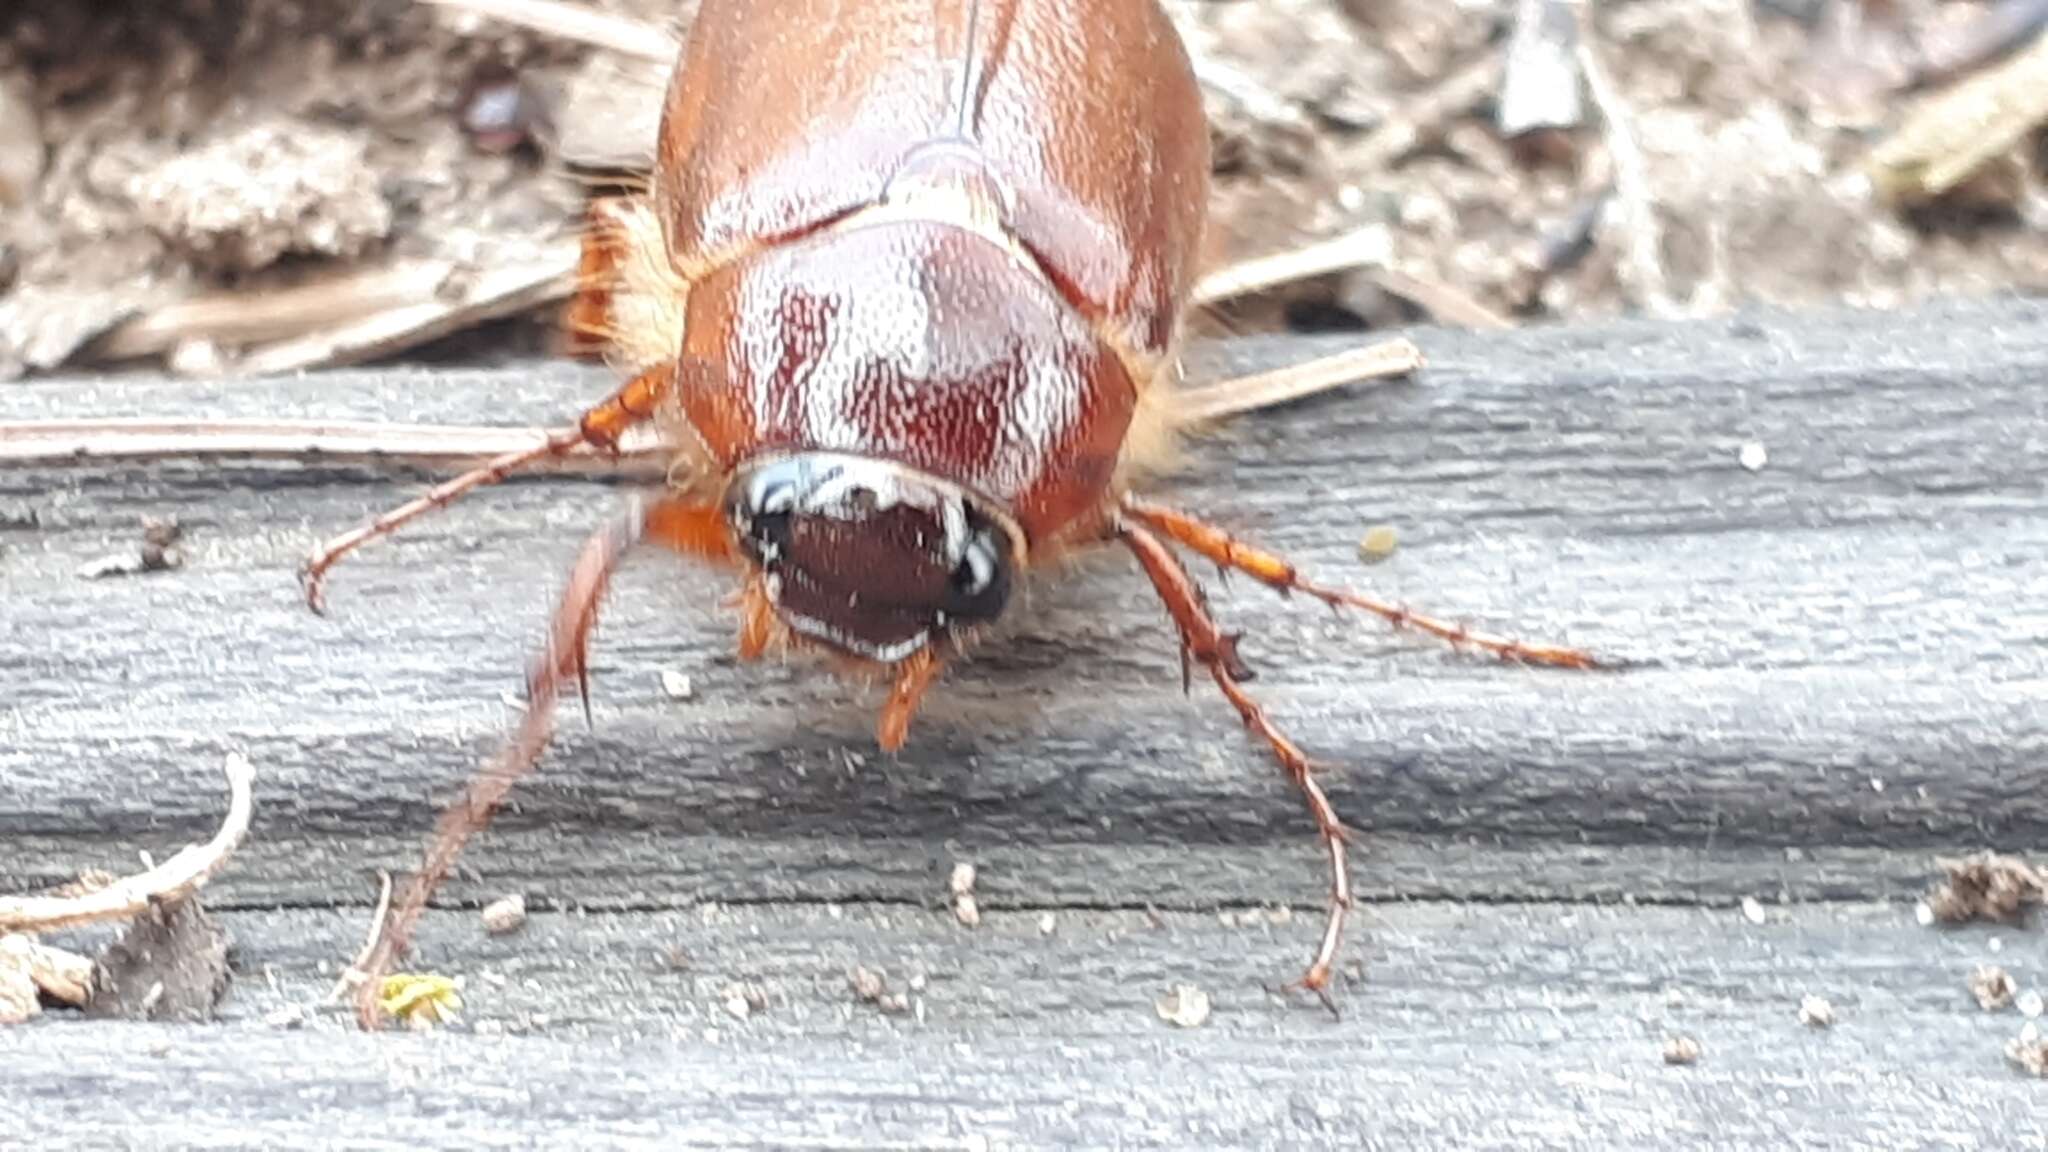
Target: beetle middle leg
(1216, 650)
(1277, 572)
(681, 525)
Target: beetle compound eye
(981, 581)
(769, 534)
(976, 571)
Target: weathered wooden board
(1503, 1027)
(1836, 666)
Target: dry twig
(354, 315)
(60, 974)
(1642, 265)
(1953, 134)
(577, 23)
(354, 971)
(459, 303)
(173, 880)
(1444, 303)
(1384, 360)
(459, 448)
(1427, 117)
(302, 441)
(1366, 247)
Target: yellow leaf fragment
(420, 999)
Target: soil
(1987, 887)
(150, 151)
(170, 963)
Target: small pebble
(500, 112)
(737, 1007)
(2028, 1051)
(868, 984)
(2029, 1003)
(505, 916)
(1992, 986)
(1186, 1006)
(1681, 1050)
(1047, 924)
(1816, 1012)
(1752, 911)
(1379, 542)
(676, 685)
(871, 987)
(965, 909)
(196, 358)
(1753, 457)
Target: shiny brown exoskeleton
(904, 296)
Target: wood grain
(1834, 669)
(1494, 1027)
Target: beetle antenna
(964, 110)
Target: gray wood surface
(1835, 672)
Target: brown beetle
(904, 297)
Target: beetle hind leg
(1275, 571)
(1203, 642)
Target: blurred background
(217, 186)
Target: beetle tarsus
(1317, 981)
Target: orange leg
(1227, 551)
(601, 427)
(588, 318)
(913, 676)
(757, 618)
(1202, 641)
(682, 527)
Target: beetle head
(870, 557)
